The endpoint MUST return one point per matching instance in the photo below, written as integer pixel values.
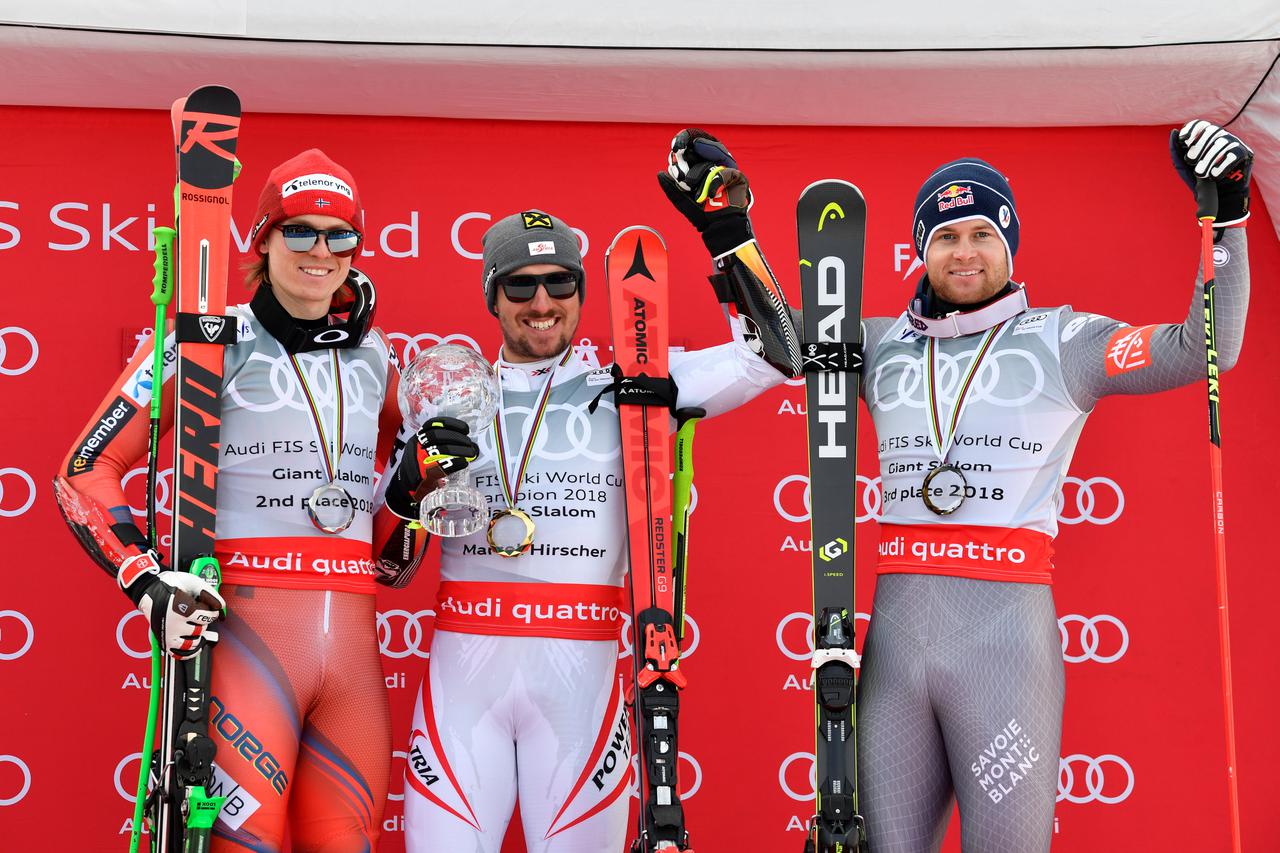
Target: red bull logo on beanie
(954, 196)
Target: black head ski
(831, 222)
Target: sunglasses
(522, 287)
(342, 242)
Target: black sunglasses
(522, 287)
(342, 242)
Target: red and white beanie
(308, 183)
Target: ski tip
(212, 98)
(817, 186)
(632, 229)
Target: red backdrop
(1108, 227)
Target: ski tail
(831, 225)
(636, 268)
(206, 127)
(754, 303)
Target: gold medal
(510, 532)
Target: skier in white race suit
(523, 699)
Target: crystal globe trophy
(448, 380)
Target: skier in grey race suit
(522, 698)
(962, 681)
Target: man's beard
(519, 345)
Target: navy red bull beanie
(963, 189)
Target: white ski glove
(1202, 150)
(180, 607)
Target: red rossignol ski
(636, 267)
(205, 126)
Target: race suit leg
(284, 660)
(904, 783)
(979, 662)
(340, 784)
(497, 709)
(574, 750)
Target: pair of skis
(206, 125)
(831, 219)
(636, 268)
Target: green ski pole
(681, 494)
(161, 295)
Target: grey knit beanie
(525, 238)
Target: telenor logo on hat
(535, 219)
(321, 182)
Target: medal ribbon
(330, 453)
(942, 442)
(510, 483)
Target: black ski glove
(1204, 150)
(441, 447)
(703, 182)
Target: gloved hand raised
(442, 446)
(180, 607)
(1204, 150)
(703, 182)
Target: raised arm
(1103, 356)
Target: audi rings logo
(1084, 779)
(144, 650)
(402, 634)
(793, 502)
(687, 788)
(28, 636)
(412, 345)
(17, 492)
(795, 634)
(401, 756)
(26, 779)
(123, 788)
(164, 480)
(1106, 644)
(693, 635)
(1097, 500)
(12, 362)
(790, 779)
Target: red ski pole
(1207, 211)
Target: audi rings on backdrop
(17, 492)
(1090, 641)
(1106, 779)
(11, 361)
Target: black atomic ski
(205, 128)
(831, 219)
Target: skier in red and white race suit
(523, 699)
(298, 704)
